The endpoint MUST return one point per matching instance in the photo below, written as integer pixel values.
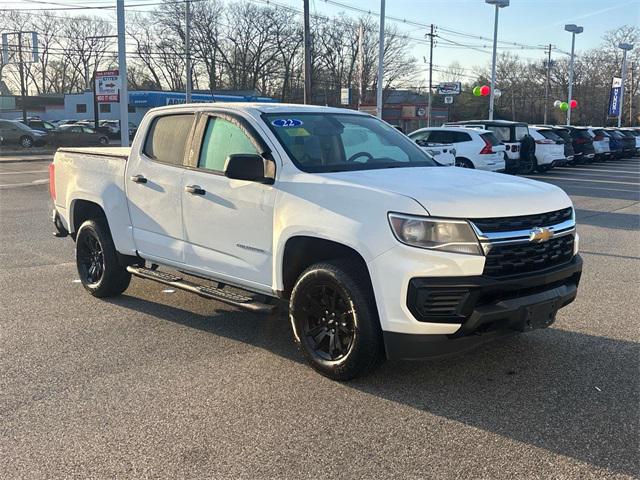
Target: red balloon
(484, 90)
(573, 103)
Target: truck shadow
(566, 392)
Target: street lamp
(498, 4)
(625, 48)
(574, 29)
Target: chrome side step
(239, 300)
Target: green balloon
(564, 106)
(476, 91)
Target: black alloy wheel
(329, 322)
(101, 274)
(335, 320)
(90, 259)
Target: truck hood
(461, 193)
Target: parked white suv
(443, 153)
(333, 216)
(475, 148)
(549, 150)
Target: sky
(533, 23)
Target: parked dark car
(615, 143)
(511, 135)
(77, 136)
(37, 124)
(621, 142)
(17, 133)
(629, 143)
(565, 135)
(91, 124)
(582, 144)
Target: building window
(105, 108)
(81, 108)
(132, 109)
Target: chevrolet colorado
(378, 251)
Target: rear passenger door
(154, 188)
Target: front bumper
(488, 308)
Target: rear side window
(581, 134)
(221, 139)
(550, 135)
(521, 131)
(167, 138)
(502, 133)
(441, 136)
(458, 137)
(491, 138)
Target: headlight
(435, 233)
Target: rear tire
(103, 141)
(464, 163)
(335, 319)
(100, 272)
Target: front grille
(518, 258)
(526, 222)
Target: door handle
(138, 179)
(194, 190)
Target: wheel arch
(302, 251)
(82, 210)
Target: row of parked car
(516, 147)
(35, 132)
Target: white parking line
(543, 177)
(27, 171)
(30, 184)
(592, 170)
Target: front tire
(335, 319)
(97, 261)
(103, 141)
(26, 141)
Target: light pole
(187, 50)
(122, 67)
(625, 48)
(574, 29)
(498, 5)
(380, 63)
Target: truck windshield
(334, 142)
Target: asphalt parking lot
(161, 384)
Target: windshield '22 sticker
(287, 122)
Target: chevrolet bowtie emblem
(540, 234)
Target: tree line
(242, 45)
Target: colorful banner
(614, 97)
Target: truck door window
(167, 138)
(221, 139)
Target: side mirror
(250, 167)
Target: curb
(30, 159)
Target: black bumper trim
(492, 308)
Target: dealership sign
(449, 88)
(614, 97)
(108, 86)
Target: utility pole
(361, 63)
(187, 47)
(307, 53)
(122, 67)
(380, 83)
(633, 64)
(430, 35)
(22, 87)
(547, 86)
(625, 48)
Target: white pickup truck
(377, 250)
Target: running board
(239, 300)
